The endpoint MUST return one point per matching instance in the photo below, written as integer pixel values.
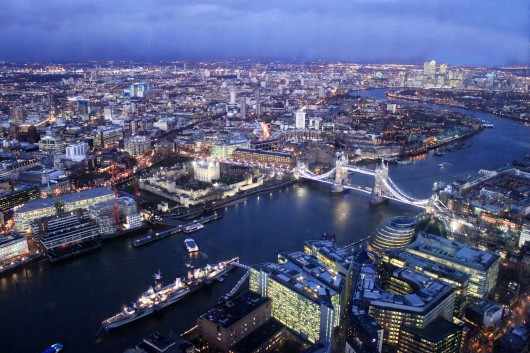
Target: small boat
(54, 348)
(191, 246)
(193, 228)
(403, 161)
(438, 153)
(444, 164)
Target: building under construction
(116, 215)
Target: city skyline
(384, 31)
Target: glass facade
(394, 234)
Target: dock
(172, 231)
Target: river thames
(66, 302)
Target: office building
(140, 90)
(51, 145)
(305, 294)
(243, 107)
(232, 95)
(395, 258)
(16, 115)
(18, 197)
(364, 335)
(484, 312)
(40, 208)
(50, 181)
(330, 254)
(226, 324)
(107, 137)
(483, 266)
(517, 340)
(12, 245)
(300, 119)
(272, 144)
(419, 301)
(269, 337)
(77, 151)
(67, 230)
(137, 145)
(222, 150)
(394, 234)
(440, 336)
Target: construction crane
(136, 186)
(115, 186)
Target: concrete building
(365, 335)
(137, 145)
(77, 151)
(484, 313)
(226, 324)
(107, 137)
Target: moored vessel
(193, 228)
(158, 296)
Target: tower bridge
(384, 188)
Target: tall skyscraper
(232, 95)
(16, 115)
(258, 102)
(429, 72)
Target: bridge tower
(381, 178)
(340, 173)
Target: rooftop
(272, 153)
(10, 237)
(330, 250)
(67, 198)
(453, 251)
(429, 291)
(427, 265)
(229, 313)
(258, 337)
(436, 330)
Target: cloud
(459, 32)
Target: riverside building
(482, 266)
(40, 208)
(394, 234)
(305, 294)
